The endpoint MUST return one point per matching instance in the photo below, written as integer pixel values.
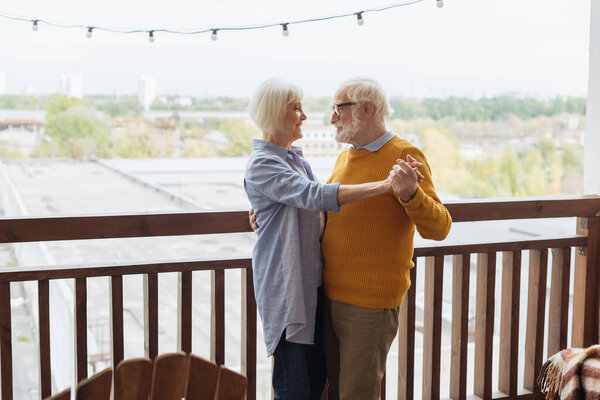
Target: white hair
(268, 105)
(367, 89)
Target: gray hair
(367, 89)
(268, 104)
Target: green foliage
(72, 135)
(60, 104)
(120, 107)
(493, 108)
(240, 135)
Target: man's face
(346, 121)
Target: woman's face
(293, 120)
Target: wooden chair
(133, 378)
(169, 376)
(64, 395)
(203, 377)
(232, 386)
(96, 387)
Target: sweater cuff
(330, 195)
(415, 201)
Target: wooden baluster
(81, 328)
(484, 323)
(5, 342)
(249, 332)
(217, 326)
(587, 279)
(116, 314)
(432, 326)
(536, 306)
(460, 324)
(184, 314)
(509, 322)
(406, 340)
(151, 315)
(44, 341)
(558, 316)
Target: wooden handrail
(32, 229)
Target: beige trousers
(357, 340)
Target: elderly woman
(288, 202)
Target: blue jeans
(299, 371)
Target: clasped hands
(404, 178)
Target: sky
(467, 48)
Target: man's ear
(368, 108)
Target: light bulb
(440, 3)
(213, 36)
(35, 25)
(151, 36)
(359, 19)
(89, 32)
(285, 31)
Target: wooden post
(587, 280)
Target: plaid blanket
(572, 374)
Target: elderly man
(368, 246)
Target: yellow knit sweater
(368, 245)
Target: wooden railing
(584, 324)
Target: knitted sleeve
(432, 219)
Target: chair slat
(509, 322)
(169, 376)
(232, 386)
(461, 271)
(484, 323)
(44, 338)
(64, 395)
(133, 378)
(96, 387)
(203, 377)
(536, 306)
(432, 326)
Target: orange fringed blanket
(572, 374)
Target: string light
(213, 31)
(439, 3)
(359, 19)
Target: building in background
(319, 140)
(146, 91)
(71, 85)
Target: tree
(240, 135)
(77, 137)
(510, 171)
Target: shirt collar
(282, 152)
(377, 143)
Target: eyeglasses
(336, 107)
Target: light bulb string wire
(38, 21)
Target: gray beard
(347, 133)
